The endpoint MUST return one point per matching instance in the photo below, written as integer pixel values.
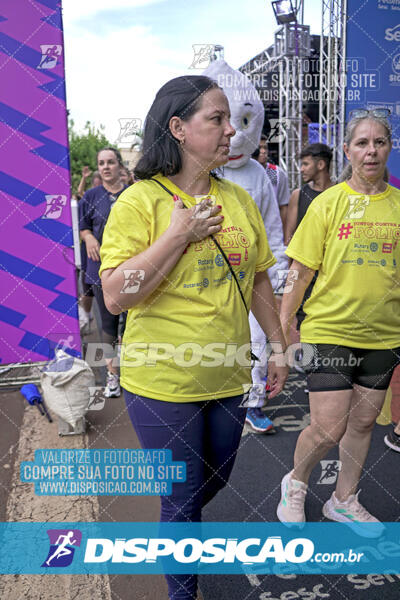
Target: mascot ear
(216, 69)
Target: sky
(117, 58)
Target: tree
(83, 148)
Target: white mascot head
(247, 111)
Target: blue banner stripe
(54, 4)
(51, 151)
(54, 20)
(21, 190)
(55, 88)
(66, 304)
(29, 272)
(42, 345)
(19, 51)
(53, 230)
(10, 316)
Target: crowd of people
(178, 222)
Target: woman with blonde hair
(351, 333)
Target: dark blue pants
(206, 435)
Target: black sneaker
(392, 440)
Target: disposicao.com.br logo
(194, 550)
(213, 548)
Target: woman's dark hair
(116, 152)
(181, 97)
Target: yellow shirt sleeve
(127, 232)
(308, 243)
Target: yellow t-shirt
(183, 342)
(352, 239)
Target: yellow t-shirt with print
(189, 339)
(352, 240)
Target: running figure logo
(50, 55)
(202, 55)
(54, 206)
(62, 547)
(133, 280)
(329, 471)
(97, 399)
(129, 130)
(357, 206)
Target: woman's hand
(92, 247)
(86, 172)
(197, 222)
(278, 372)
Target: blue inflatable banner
(373, 65)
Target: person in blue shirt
(94, 209)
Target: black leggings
(109, 322)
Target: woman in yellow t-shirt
(351, 333)
(186, 253)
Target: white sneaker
(112, 389)
(354, 514)
(290, 509)
(257, 396)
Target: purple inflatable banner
(38, 295)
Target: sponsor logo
(316, 592)
(392, 34)
(62, 547)
(219, 260)
(360, 261)
(396, 63)
(235, 259)
(373, 246)
(387, 248)
(384, 4)
(395, 77)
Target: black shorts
(330, 367)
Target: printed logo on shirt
(387, 248)
(235, 259)
(357, 207)
(345, 231)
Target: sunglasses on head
(360, 113)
